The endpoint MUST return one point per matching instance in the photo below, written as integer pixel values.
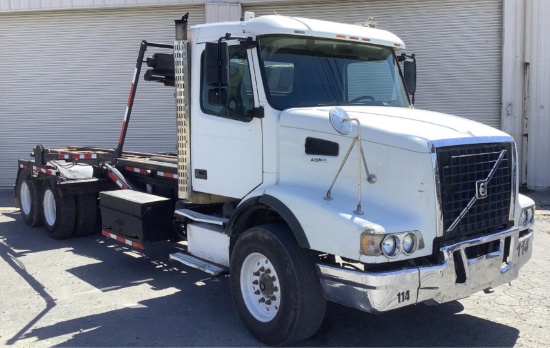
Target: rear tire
(58, 212)
(29, 196)
(86, 215)
(275, 286)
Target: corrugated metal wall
(30, 5)
(65, 78)
(65, 75)
(538, 99)
(458, 45)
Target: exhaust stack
(181, 27)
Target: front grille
(460, 167)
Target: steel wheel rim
(260, 287)
(25, 198)
(49, 207)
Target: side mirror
(339, 119)
(216, 64)
(410, 76)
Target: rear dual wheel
(28, 191)
(65, 216)
(59, 212)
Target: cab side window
(240, 101)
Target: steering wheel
(363, 97)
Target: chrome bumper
(457, 277)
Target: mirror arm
(244, 40)
(413, 57)
(220, 68)
(402, 58)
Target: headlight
(410, 243)
(390, 246)
(527, 216)
(530, 215)
(523, 217)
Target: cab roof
(276, 24)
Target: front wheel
(275, 286)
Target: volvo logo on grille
(481, 189)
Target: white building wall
(538, 97)
(513, 73)
(525, 72)
(458, 45)
(33, 5)
(222, 12)
(66, 75)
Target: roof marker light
(369, 23)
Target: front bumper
(457, 277)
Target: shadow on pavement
(198, 310)
(6, 198)
(416, 326)
(10, 256)
(27, 240)
(192, 317)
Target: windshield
(301, 71)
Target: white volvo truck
(304, 171)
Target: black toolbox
(137, 216)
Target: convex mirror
(339, 119)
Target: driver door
(226, 142)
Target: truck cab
(287, 64)
(309, 125)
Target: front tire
(275, 286)
(29, 196)
(58, 212)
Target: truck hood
(411, 129)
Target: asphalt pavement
(93, 291)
